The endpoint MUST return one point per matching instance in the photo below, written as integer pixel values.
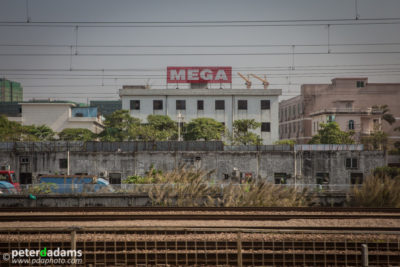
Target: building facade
(224, 105)
(10, 91)
(348, 101)
(59, 116)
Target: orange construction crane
(248, 82)
(264, 81)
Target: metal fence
(207, 246)
(259, 148)
(49, 146)
(136, 146)
(329, 147)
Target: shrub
(376, 192)
(43, 188)
(264, 194)
(391, 172)
(182, 187)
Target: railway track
(185, 217)
(194, 209)
(191, 213)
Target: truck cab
(9, 176)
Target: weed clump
(189, 187)
(376, 192)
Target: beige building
(348, 101)
(59, 116)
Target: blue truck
(72, 184)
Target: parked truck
(7, 175)
(71, 184)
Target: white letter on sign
(174, 75)
(193, 75)
(221, 75)
(206, 74)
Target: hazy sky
(88, 49)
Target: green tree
(40, 133)
(164, 127)
(204, 129)
(13, 131)
(330, 133)
(76, 134)
(386, 116)
(118, 126)
(158, 128)
(377, 140)
(285, 142)
(241, 134)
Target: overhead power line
(255, 68)
(197, 54)
(196, 46)
(211, 23)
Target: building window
(115, 178)
(265, 127)
(63, 163)
(351, 163)
(280, 177)
(294, 111)
(24, 160)
(219, 105)
(330, 118)
(322, 178)
(360, 84)
(294, 127)
(351, 125)
(356, 178)
(265, 104)
(242, 104)
(200, 105)
(180, 104)
(157, 104)
(135, 104)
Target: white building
(59, 116)
(223, 105)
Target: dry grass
(182, 187)
(189, 187)
(264, 194)
(377, 192)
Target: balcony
(358, 111)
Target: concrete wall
(304, 165)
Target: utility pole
(180, 117)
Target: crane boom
(264, 81)
(248, 82)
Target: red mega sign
(199, 74)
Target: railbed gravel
(203, 237)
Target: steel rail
(213, 209)
(188, 217)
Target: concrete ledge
(120, 200)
